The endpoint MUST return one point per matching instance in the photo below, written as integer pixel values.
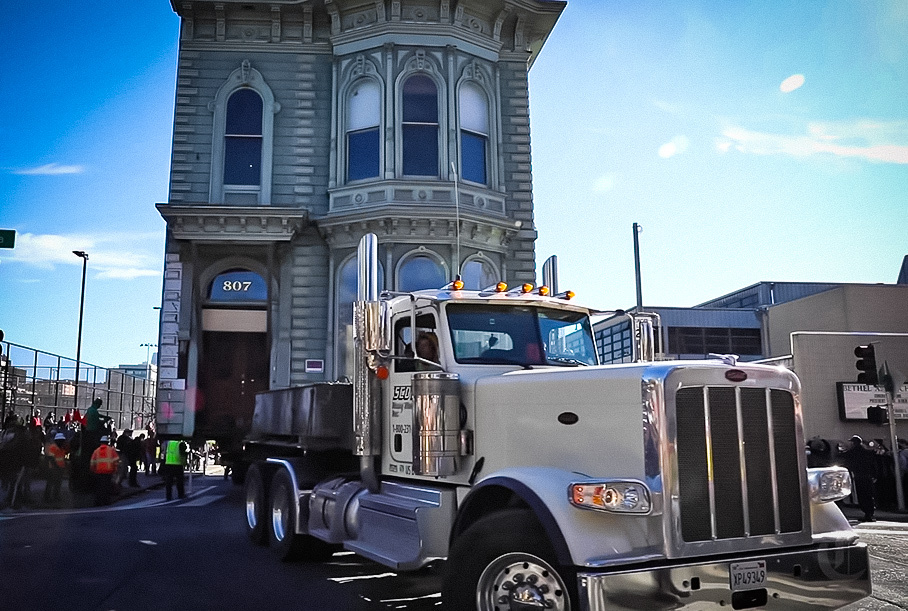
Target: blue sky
(752, 140)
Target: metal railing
(35, 380)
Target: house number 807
(236, 285)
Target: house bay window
(474, 133)
(420, 126)
(363, 141)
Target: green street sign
(7, 238)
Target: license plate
(747, 575)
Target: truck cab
(488, 437)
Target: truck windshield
(520, 335)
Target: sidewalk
(70, 499)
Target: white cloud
(791, 83)
(676, 146)
(51, 169)
(604, 183)
(879, 141)
(110, 256)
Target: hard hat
(60, 436)
(857, 438)
(105, 439)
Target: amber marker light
(544, 290)
(501, 287)
(382, 372)
(457, 285)
(526, 288)
(566, 295)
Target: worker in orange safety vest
(104, 463)
(56, 452)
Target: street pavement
(205, 533)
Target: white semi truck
(542, 479)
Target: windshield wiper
(567, 361)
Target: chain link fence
(32, 380)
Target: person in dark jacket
(134, 454)
(862, 462)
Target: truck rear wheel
(502, 559)
(256, 496)
(287, 544)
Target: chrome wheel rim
(253, 494)
(520, 582)
(279, 513)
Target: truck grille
(738, 474)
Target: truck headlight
(618, 496)
(828, 484)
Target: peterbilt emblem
(735, 375)
(568, 418)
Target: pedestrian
(151, 453)
(56, 453)
(133, 455)
(174, 463)
(861, 460)
(104, 463)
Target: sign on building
(854, 399)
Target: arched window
(243, 139)
(420, 126)
(363, 141)
(474, 133)
(420, 272)
(478, 274)
(345, 295)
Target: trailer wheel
(287, 544)
(502, 559)
(256, 497)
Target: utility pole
(637, 230)
(84, 256)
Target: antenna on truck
(457, 226)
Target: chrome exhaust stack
(368, 339)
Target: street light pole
(84, 256)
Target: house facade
(299, 127)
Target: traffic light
(866, 364)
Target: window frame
(485, 138)
(439, 116)
(244, 77)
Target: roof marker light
(565, 295)
(457, 285)
(544, 290)
(526, 288)
(501, 287)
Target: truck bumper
(820, 578)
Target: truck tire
(286, 543)
(503, 555)
(256, 499)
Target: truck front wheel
(287, 544)
(504, 562)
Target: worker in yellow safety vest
(175, 452)
(104, 463)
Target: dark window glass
(473, 160)
(244, 113)
(242, 160)
(420, 127)
(363, 151)
(238, 285)
(243, 139)
(420, 150)
(420, 100)
(421, 272)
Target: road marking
(361, 577)
(877, 531)
(203, 500)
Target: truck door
(399, 403)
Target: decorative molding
(232, 223)
(275, 23)
(334, 14)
